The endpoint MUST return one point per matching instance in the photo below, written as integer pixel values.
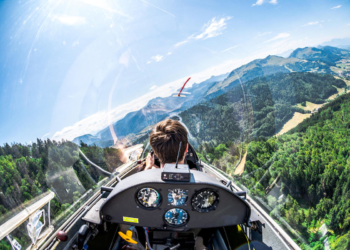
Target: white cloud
(311, 23)
(348, 24)
(180, 43)
(260, 2)
(71, 20)
(157, 58)
(153, 87)
(211, 29)
(230, 48)
(279, 36)
(336, 7)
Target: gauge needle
(206, 204)
(174, 197)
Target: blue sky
(71, 67)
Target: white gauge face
(176, 217)
(177, 197)
(149, 197)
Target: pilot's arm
(150, 162)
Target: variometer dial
(205, 200)
(177, 197)
(148, 198)
(176, 217)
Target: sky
(72, 67)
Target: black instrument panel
(143, 199)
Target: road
(240, 168)
(133, 152)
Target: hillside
(156, 110)
(312, 164)
(327, 54)
(319, 60)
(265, 106)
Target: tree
(271, 201)
(302, 216)
(309, 217)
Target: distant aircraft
(179, 95)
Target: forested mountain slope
(156, 110)
(307, 59)
(326, 54)
(259, 107)
(312, 163)
(26, 171)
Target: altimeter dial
(148, 198)
(176, 217)
(205, 200)
(177, 197)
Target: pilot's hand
(150, 162)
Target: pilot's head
(165, 140)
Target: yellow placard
(130, 219)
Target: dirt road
(240, 168)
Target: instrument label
(130, 219)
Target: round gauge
(148, 198)
(177, 197)
(176, 217)
(205, 200)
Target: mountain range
(156, 110)
(309, 59)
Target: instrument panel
(203, 202)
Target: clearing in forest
(299, 117)
(309, 106)
(292, 123)
(346, 81)
(240, 168)
(340, 91)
